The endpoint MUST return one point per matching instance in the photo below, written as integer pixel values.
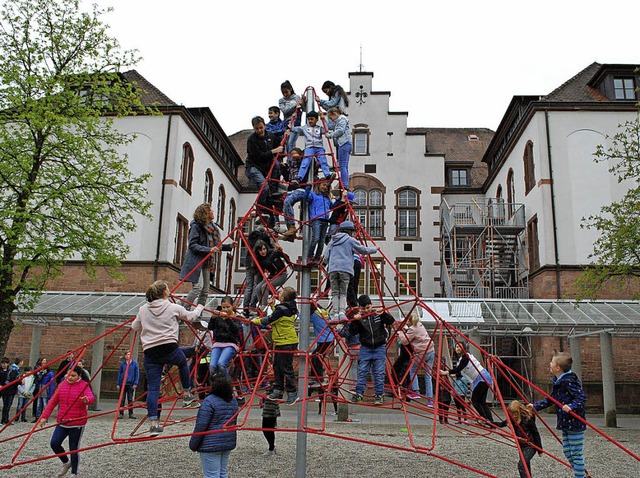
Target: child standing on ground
(73, 395)
(157, 323)
(313, 135)
(340, 131)
(270, 414)
(567, 389)
(339, 260)
(25, 394)
(372, 327)
(285, 343)
(523, 422)
(423, 355)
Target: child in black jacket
(523, 422)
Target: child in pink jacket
(72, 395)
(417, 336)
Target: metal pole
(34, 352)
(608, 380)
(576, 355)
(96, 362)
(303, 344)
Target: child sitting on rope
(339, 261)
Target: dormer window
(624, 89)
(473, 137)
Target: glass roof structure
(526, 317)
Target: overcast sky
(449, 64)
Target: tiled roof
(576, 89)
(150, 95)
(455, 145)
(239, 142)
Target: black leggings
(479, 400)
(270, 422)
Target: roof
(239, 142)
(528, 317)
(576, 89)
(150, 95)
(457, 146)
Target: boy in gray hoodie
(338, 258)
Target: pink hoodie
(72, 412)
(158, 322)
(418, 337)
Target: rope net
(328, 371)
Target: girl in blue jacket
(215, 435)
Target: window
(532, 243)
(624, 89)
(371, 278)
(408, 207)
(499, 192)
(242, 248)
(360, 140)
(458, 177)
(182, 239)
(186, 170)
(222, 196)
(529, 173)
(208, 187)
(511, 192)
(410, 270)
(232, 215)
(369, 203)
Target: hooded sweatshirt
(158, 322)
(339, 254)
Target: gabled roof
(577, 88)
(150, 95)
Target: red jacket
(72, 412)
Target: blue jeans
(42, 403)
(22, 403)
(309, 154)
(371, 360)
(127, 395)
(221, 358)
(255, 176)
(344, 154)
(153, 368)
(74, 434)
(214, 464)
(428, 361)
(291, 141)
(318, 232)
(292, 198)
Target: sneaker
(429, 403)
(275, 395)
(325, 381)
(132, 416)
(314, 384)
(295, 182)
(240, 400)
(378, 400)
(188, 399)
(291, 231)
(64, 468)
(154, 431)
(292, 398)
(342, 317)
(356, 397)
(413, 395)
(120, 417)
(269, 452)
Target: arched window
(407, 205)
(222, 196)
(511, 192)
(499, 192)
(529, 172)
(208, 187)
(186, 169)
(232, 214)
(369, 203)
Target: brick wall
(542, 285)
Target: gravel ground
(328, 456)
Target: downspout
(161, 216)
(553, 207)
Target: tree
(66, 191)
(616, 253)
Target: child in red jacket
(73, 395)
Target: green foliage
(67, 191)
(616, 253)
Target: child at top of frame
(276, 126)
(313, 135)
(340, 131)
(158, 324)
(372, 327)
(567, 389)
(226, 337)
(523, 422)
(273, 263)
(469, 367)
(339, 261)
(288, 104)
(319, 200)
(337, 97)
(285, 342)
